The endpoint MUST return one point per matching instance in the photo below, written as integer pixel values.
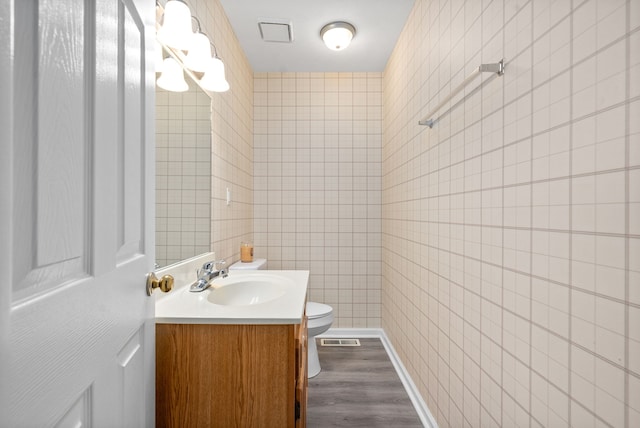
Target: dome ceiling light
(337, 35)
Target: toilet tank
(256, 264)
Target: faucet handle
(219, 266)
(206, 268)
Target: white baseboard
(423, 411)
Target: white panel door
(76, 209)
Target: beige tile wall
(511, 230)
(317, 139)
(232, 137)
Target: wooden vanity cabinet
(216, 375)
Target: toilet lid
(256, 264)
(317, 310)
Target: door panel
(62, 141)
(131, 144)
(79, 414)
(76, 208)
(53, 143)
(131, 379)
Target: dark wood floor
(358, 387)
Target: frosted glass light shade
(199, 54)
(176, 29)
(337, 35)
(172, 77)
(214, 79)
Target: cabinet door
(221, 376)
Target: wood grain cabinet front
(213, 375)
(301, 374)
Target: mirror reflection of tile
(183, 174)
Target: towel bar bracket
(497, 67)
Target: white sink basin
(246, 292)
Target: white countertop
(181, 306)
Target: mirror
(183, 174)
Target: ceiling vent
(278, 31)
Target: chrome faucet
(207, 273)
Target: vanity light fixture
(188, 51)
(172, 77)
(214, 78)
(199, 54)
(337, 35)
(176, 31)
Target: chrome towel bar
(497, 68)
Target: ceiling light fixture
(337, 35)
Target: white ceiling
(378, 24)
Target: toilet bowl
(319, 319)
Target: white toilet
(319, 318)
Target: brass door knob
(165, 283)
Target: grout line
(627, 390)
(481, 309)
(502, 312)
(530, 314)
(570, 229)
